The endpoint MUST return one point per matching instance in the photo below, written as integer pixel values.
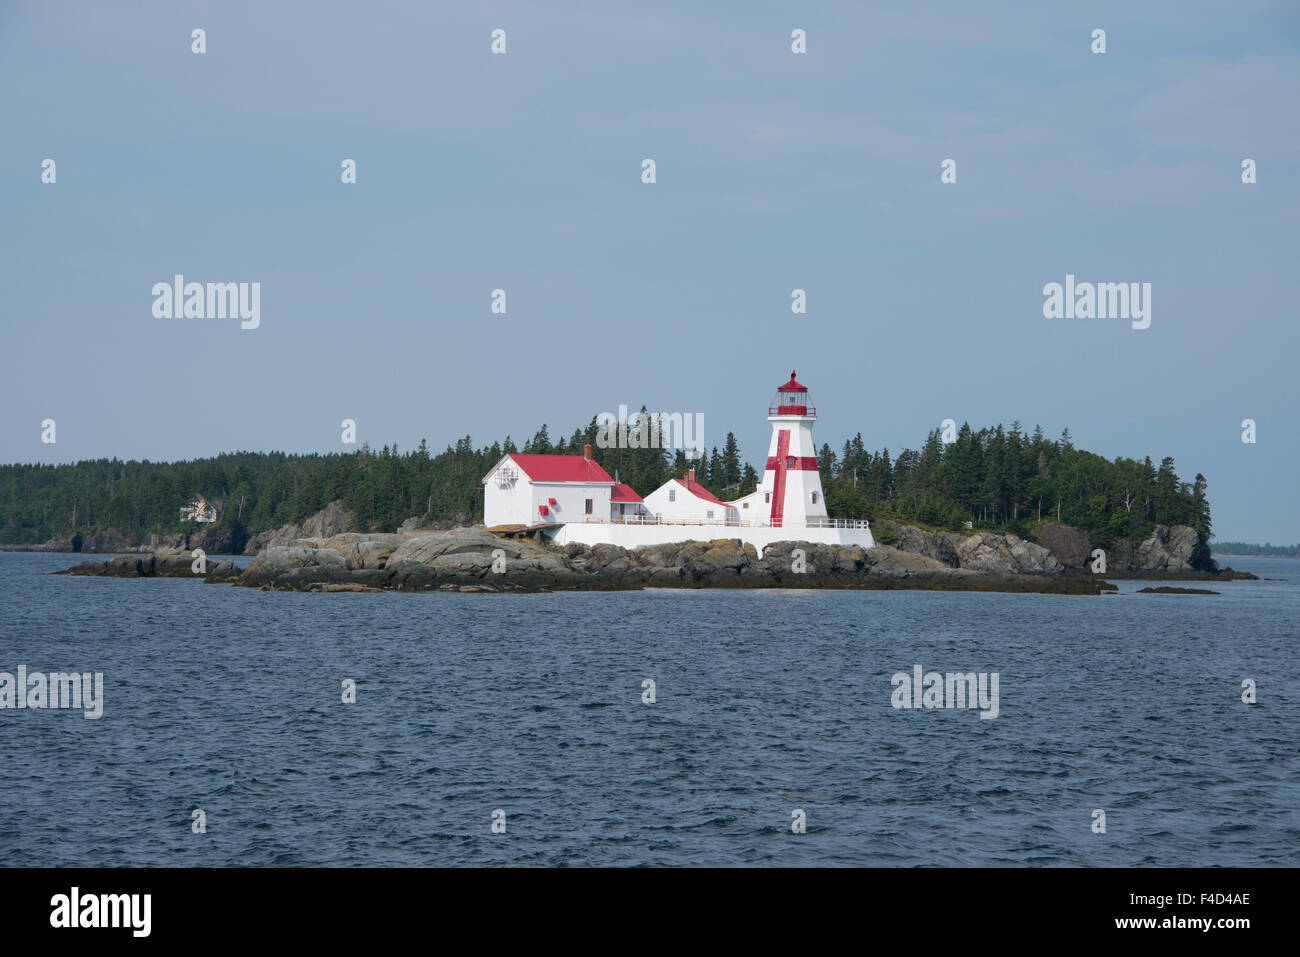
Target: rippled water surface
(229, 700)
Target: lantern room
(792, 399)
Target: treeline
(253, 491)
(994, 478)
(1267, 549)
(1000, 478)
(259, 491)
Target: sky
(774, 171)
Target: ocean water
(228, 700)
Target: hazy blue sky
(775, 171)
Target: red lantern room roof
(792, 399)
(792, 385)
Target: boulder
(332, 520)
(941, 546)
(1007, 554)
(985, 553)
(226, 571)
(329, 521)
(425, 548)
(1069, 545)
(364, 549)
(1029, 558)
(173, 563)
(289, 566)
(404, 574)
(342, 587)
(126, 566)
(1169, 549)
(888, 561)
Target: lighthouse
(788, 505)
(790, 495)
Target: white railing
(729, 523)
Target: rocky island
(473, 559)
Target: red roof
(699, 491)
(791, 386)
(623, 493)
(560, 468)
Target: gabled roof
(623, 493)
(698, 490)
(560, 468)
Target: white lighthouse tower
(790, 495)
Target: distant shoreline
(1215, 554)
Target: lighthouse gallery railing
(728, 523)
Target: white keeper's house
(537, 490)
(572, 499)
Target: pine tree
(731, 461)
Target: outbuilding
(686, 500)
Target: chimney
(690, 475)
(586, 451)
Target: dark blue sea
(229, 700)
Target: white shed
(686, 500)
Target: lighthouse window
(814, 498)
(789, 461)
(767, 497)
(746, 505)
(588, 506)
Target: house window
(814, 495)
(588, 506)
(709, 513)
(672, 495)
(622, 510)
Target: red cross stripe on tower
(778, 487)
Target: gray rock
(889, 562)
(287, 566)
(472, 559)
(1068, 545)
(125, 566)
(173, 563)
(330, 521)
(1169, 549)
(364, 549)
(226, 571)
(941, 546)
(1029, 558)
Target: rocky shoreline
(213, 539)
(475, 560)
